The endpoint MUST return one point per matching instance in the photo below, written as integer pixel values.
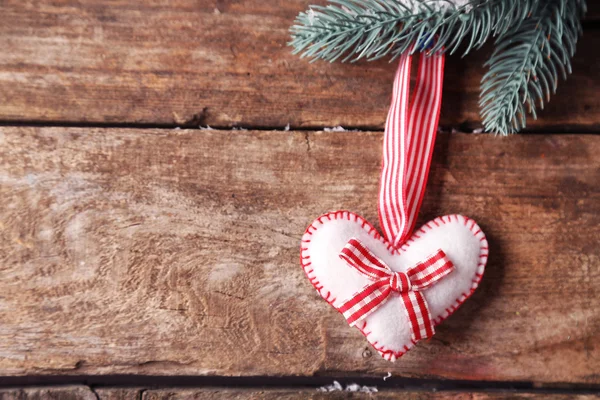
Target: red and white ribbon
(408, 144)
(386, 281)
(410, 133)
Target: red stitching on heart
(387, 353)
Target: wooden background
(139, 248)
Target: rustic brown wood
(222, 63)
(86, 393)
(50, 392)
(289, 394)
(176, 252)
(120, 393)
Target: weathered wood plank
(47, 393)
(85, 393)
(289, 394)
(221, 63)
(176, 252)
(119, 393)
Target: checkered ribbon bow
(386, 281)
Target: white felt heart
(387, 329)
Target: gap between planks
(548, 130)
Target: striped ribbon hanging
(410, 133)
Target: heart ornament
(388, 329)
(396, 287)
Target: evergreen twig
(372, 29)
(535, 41)
(526, 64)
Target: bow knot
(408, 284)
(400, 283)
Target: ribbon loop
(385, 281)
(410, 133)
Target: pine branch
(372, 29)
(535, 41)
(526, 64)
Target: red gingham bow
(386, 281)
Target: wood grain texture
(222, 63)
(49, 393)
(289, 394)
(86, 393)
(176, 252)
(118, 393)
